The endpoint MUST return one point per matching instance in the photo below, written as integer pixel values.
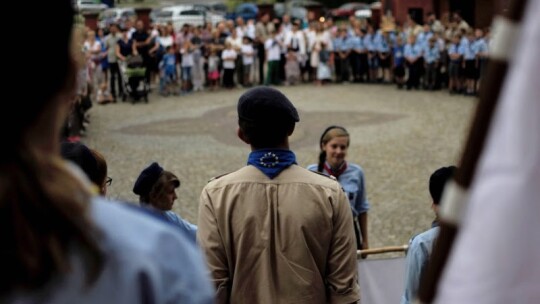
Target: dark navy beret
(147, 179)
(265, 104)
(82, 157)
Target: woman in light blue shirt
(334, 145)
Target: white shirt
(228, 54)
(272, 48)
(247, 54)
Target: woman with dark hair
(157, 188)
(334, 144)
(60, 242)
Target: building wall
(484, 10)
(400, 8)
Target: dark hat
(264, 105)
(147, 179)
(83, 157)
(438, 180)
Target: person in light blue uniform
(334, 144)
(342, 51)
(413, 58)
(431, 64)
(60, 242)
(399, 62)
(421, 245)
(360, 61)
(481, 50)
(373, 59)
(384, 53)
(157, 189)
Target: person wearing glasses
(156, 188)
(90, 161)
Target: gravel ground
(399, 138)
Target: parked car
(218, 8)
(116, 15)
(245, 10)
(296, 9)
(179, 15)
(82, 6)
(348, 9)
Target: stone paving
(399, 138)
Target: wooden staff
(506, 31)
(388, 249)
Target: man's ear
(242, 136)
(291, 130)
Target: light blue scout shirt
(418, 254)
(146, 261)
(412, 50)
(480, 46)
(455, 49)
(431, 54)
(341, 44)
(184, 225)
(469, 51)
(423, 38)
(356, 43)
(368, 42)
(383, 46)
(352, 182)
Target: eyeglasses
(108, 181)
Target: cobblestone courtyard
(398, 137)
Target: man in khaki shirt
(274, 232)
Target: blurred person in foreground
(60, 242)
(274, 232)
(421, 245)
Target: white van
(116, 15)
(179, 15)
(93, 6)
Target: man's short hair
(438, 180)
(266, 116)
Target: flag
(496, 257)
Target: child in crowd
(213, 69)
(292, 67)
(167, 72)
(104, 96)
(454, 56)
(399, 62)
(431, 63)
(187, 65)
(323, 69)
(248, 54)
(229, 64)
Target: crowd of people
(65, 243)
(440, 54)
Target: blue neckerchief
(271, 161)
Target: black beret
(81, 155)
(147, 179)
(438, 180)
(266, 105)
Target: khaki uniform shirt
(285, 240)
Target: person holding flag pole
(495, 259)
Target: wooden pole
(388, 249)
(455, 197)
